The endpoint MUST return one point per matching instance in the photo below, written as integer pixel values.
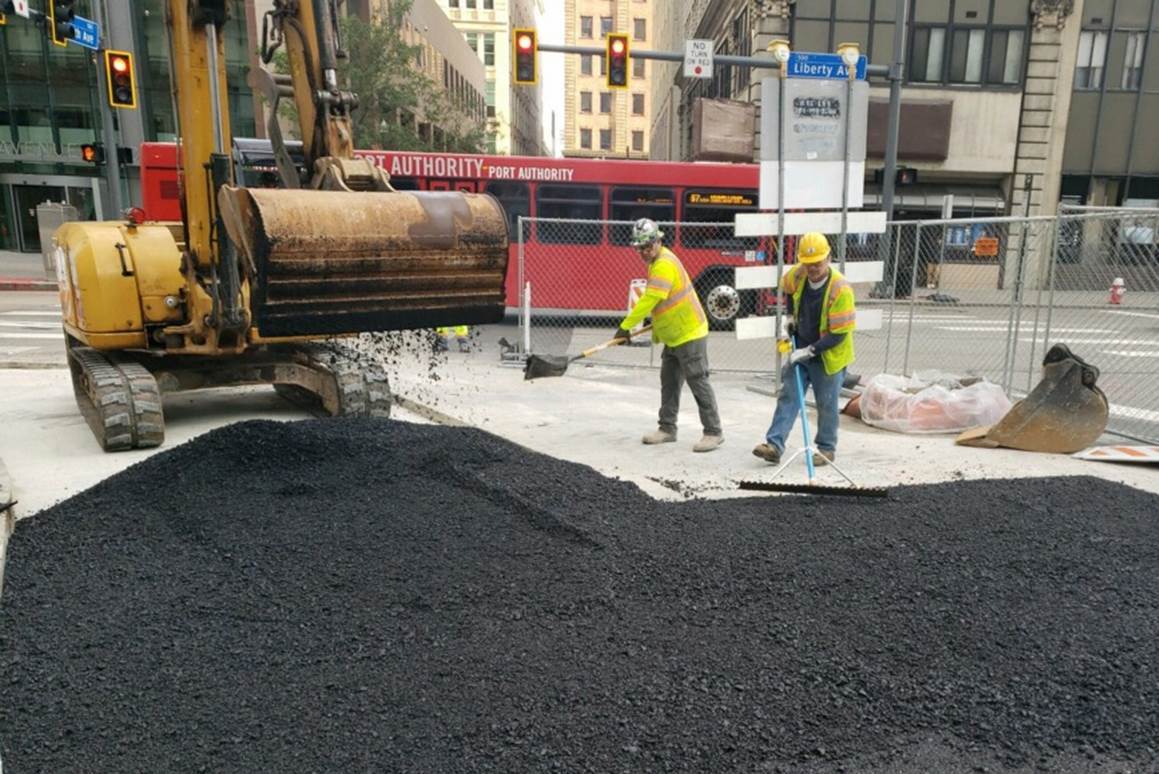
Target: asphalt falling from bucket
(360, 595)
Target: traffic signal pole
(109, 131)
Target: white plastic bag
(931, 402)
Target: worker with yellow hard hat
(822, 320)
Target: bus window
(718, 207)
(578, 202)
(630, 204)
(404, 184)
(516, 201)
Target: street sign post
(808, 64)
(20, 7)
(698, 58)
(86, 32)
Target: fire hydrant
(1118, 289)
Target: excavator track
(120, 400)
(360, 390)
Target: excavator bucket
(1064, 413)
(341, 262)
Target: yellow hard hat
(813, 248)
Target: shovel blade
(544, 365)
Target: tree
(381, 69)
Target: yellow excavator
(248, 285)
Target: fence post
(897, 229)
(1038, 303)
(912, 291)
(524, 291)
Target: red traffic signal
(122, 83)
(93, 153)
(526, 53)
(617, 53)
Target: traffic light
(60, 16)
(617, 61)
(526, 51)
(122, 84)
(93, 153)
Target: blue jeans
(827, 391)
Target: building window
(470, 3)
(488, 5)
(585, 102)
(1006, 56)
(1092, 60)
(586, 64)
(605, 26)
(637, 141)
(1133, 61)
(472, 40)
(638, 67)
(929, 51)
(453, 3)
(639, 29)
(489, 49)
(585, 26)
(605, 139)
(966, 50)
(585, 138)
(605, 102)
(637, 104)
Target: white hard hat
(1118, 281)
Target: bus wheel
(722, 302)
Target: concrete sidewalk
(24, 271)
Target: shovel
(550, 365)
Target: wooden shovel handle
(613, 342)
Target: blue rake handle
(804, 418)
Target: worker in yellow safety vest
(822, 320)
(678, 322)
(460, 333)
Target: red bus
(589, 265)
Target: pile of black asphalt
(375, 596)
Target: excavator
(253, 285)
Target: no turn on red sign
(698, 58)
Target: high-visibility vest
(677, 317)
(838, 314)
(461, 331)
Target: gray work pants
(687, 363)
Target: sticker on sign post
(698, 58)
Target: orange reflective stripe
(836, 288)
(840, 319)
(668, 304)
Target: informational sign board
(805, 64)
(698, 58)
(86, 33)
(20, 7)
(986, 247)
(814, 140)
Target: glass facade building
(50, 105)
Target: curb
(7, 517)
(16, 283)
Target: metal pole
(912, 301)
(524, 290)
(845, 168)
(108, 126)
(784, 75)
(896, 76)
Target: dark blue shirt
(809, 319)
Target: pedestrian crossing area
(25, 331)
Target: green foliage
(381, 69)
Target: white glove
(801, 355)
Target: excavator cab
(248, 286)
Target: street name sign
(698, 58)
(86, 32)
(805, 64)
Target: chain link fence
(978, 297)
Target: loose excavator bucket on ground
(1064, 413)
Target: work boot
(659, 436)
(823, 458)
(707, 443)
(768, 453)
